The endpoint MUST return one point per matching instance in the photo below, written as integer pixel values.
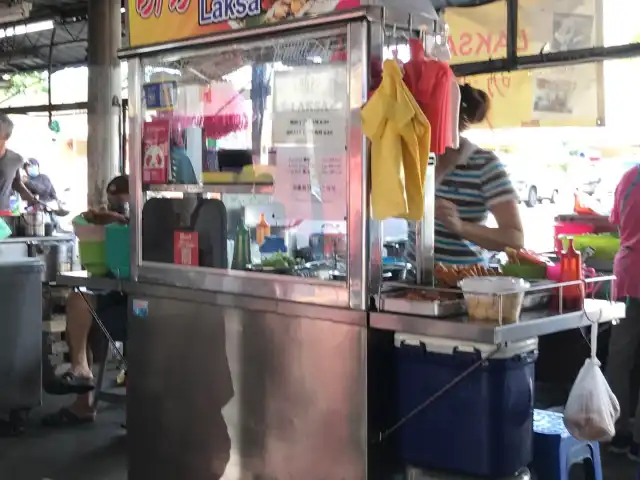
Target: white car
(532, 185)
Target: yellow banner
(560, 96)
(163, 21)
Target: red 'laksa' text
(478, 44)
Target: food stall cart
(272, 371)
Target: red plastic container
(569, 229)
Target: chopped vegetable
(279, 260)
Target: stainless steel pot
(34, 223)
(56, 256)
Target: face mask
(32, 172)
(121, 208)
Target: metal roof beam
(34, 52)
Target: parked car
(533, 185)
(536, 174)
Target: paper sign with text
(185, 248)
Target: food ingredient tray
(538, 298)
(397, 302)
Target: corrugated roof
(28, 51)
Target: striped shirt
(474, 186)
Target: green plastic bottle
(241, 249)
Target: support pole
(105, 89)
(512, 33)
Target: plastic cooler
(483, 425)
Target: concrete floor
(98, 451)
(90, 452)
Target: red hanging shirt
(430, 83)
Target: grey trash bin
(20, 334)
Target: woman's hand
(447, 213)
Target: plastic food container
(494, 300)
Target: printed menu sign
(313, 88)
(311, 182)
(310, 106)
(310, 128)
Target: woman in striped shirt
(470, 184)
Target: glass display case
(250, 173)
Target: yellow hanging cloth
(400, 136)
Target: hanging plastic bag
(592, 409)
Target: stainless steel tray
(392, 302)
(538, 298)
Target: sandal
(66, 418)
(70, 383)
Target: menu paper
(311, 182)
(320, 128)
(185, 248)
(311, 89)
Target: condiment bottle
(570, 271)
(263, 230)
(241, 249)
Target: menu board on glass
(309, 135)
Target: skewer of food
(451, 275)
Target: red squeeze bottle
(571, 270)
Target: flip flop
(69, 383)
(66, 418)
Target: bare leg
(79, 322)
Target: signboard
(560, 96)
(160, 95)
(155, 152)
(185, 248)
(161, 21)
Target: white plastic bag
(592, 409)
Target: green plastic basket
(606, 246)
(528, 272)
(93, 257)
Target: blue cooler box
(483, 425)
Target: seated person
(111, 308)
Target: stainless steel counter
(82, 278)
(532, 324)
(54, 238)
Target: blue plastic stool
(555, 451)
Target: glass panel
(544, 26)
(478, 33)
(558, 96)
(254, 137)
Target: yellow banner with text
(163, 21)
(558, 96)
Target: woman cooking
(470, 184)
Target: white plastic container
(494, 300)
